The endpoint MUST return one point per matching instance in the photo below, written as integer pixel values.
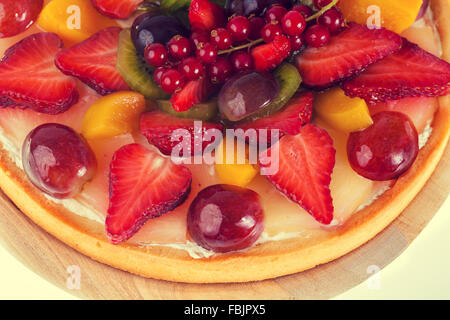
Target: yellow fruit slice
(342, 112)
(395, 15)
(73, 20)
(113, 115)
(234, 170)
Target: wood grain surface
(52, 259)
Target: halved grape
(386, 149)
(57, 160)
(246, 93)
(289, 80)
(225, 218)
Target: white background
(421, 272)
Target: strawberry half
(159, 128)
(121, 9)
(28, 76)
(192, 93)
(306, 162)
(142, 185)
(410, 72)
(93, 61)
(296, 113)
(347, 54)
(268, 56)
(205, 15)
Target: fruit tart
(220, 141)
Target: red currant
(172, 80)
(332, 19)
(192, 68)
(270, 30)
(239, 27)
(317, 36)
(293, 23)
(241, 61)
(220, 70)
(256, 24)
(221, 38)
(207, 53)
(276, 13)
(157, 75)
(303, 9)
(155, 54)
(179, 47)
(198, 37)
(297, 42)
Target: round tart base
(266, 261)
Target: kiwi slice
(289, 81)
(202, 111)
(134, 70)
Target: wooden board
(51, 258)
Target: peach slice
(112, 115)
(73, 20)
(341, 112)
(395, 15)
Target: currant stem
(247, 45)
(326, 8)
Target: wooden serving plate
(50, 258)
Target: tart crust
(268, 260)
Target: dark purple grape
(225, 218)
(245, 7)
(150, 28)
(246, 93)
(57, 160)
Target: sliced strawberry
(93, 61)
(306, 162)
(193, 92)
(410, 72)
(159, 128)
(347, 54)
(16, 121)
(205, 15)
(122, 9)
(296, 113)
(142, 185)
(28, 76)
(268, 56)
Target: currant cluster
(226, 49)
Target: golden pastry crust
(268, 260)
